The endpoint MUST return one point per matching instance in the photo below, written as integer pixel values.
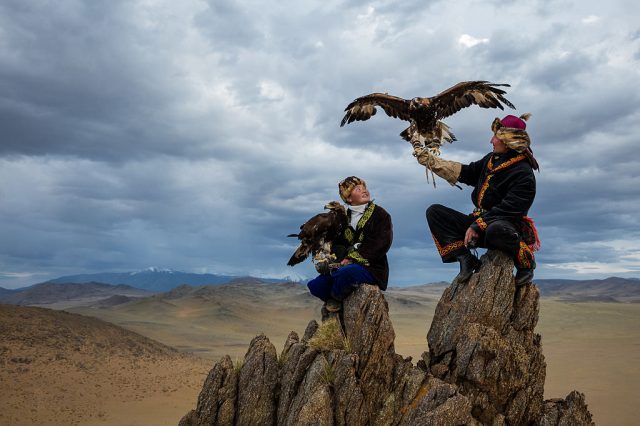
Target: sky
(196, 135)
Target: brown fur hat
(347, 184)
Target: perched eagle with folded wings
(317, 234)
(424, 114)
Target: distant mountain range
(74, 290)
(124, 287)
(156, 280)
(55, 293)
(612, 289)
(5, 291)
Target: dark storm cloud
(76, 81)
(229, 24)
(562, 73)
(198, 135)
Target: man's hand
(470, 236)
(345, 261)
(323, 268)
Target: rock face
(482, 340)
(484, 366)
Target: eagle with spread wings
(425, 130)
(318, 233)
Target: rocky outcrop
(482, 340)
(484, 366)
(217, 401)
(566, 412)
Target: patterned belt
(478, 211)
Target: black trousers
(448, 227)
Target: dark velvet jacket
(369, 243)
(504, 187)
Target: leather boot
(525, 275)
(468, 265)
(333, 305)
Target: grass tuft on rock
(238, 365)
(328, 373)
(330, 336)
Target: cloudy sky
(195, 135)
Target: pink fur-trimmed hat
(514, 122)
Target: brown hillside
(62, 368)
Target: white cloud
(591, 19)
(469, 41)
(271, 90)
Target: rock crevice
(484, 367)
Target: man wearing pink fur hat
(504, 190)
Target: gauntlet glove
(447, 170)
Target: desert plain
(69, 368)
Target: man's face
(359, 195)
(498, 146)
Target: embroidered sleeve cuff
(482, 225)
(354, 255)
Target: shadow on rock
(484, 366)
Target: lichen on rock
(484, 366)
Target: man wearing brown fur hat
(504, 190)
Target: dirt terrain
(58, 368)
(592, 347)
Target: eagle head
(336, 207)
(418, 103)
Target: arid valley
(66, 368)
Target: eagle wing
(312, 236)
(467, 93)
(364, 108)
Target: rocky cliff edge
(484, 366)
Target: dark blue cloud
(197, 136)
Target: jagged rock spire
(484, 366)
(482, 340)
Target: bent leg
(347, 278)
(320, 287)
(448, 227)
(503, 235)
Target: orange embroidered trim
(524, 255)
(448, 248)
(535, 246)
(502, 166)
(506, 164)
(484, 188)
(481, 223)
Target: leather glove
(447, 170)
(323, 268)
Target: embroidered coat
(504, 187)
(368, 244)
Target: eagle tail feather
(299, 255)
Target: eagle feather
(318, 233)
(424, 114)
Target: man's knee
(434, 210)
(501, 235)
(320, 287)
